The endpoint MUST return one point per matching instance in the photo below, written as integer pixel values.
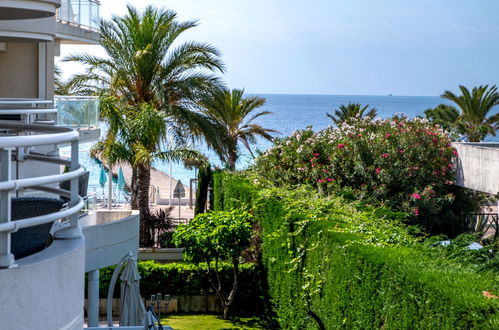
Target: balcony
(78, 21)
(27, 9)
(80, 112)
(33, 284)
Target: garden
(341, 228)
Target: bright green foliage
(231, 191)
(352, 112)
(404, 164)
(215, 237)
(475, 120)
(317, 261)
(189, 279)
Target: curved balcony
(27, 9)
(33, 284)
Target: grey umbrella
(132, 306)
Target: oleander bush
(406, 164)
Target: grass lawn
(210, 322)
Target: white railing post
(93, 298)
(6, 258)
(74, 230)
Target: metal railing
(28, 111)
(15, 145)
(82, 13)
(77, 111)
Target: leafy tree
(143, 68)
(215, 237)
(346, 113)
(446, 116)
(476, 105)
(230, 111)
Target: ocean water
(290, 113)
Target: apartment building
(47, 243)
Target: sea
(289, 113)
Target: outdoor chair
(27, 241)
(82, 186)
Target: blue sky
(365, 47)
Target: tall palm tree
(346, 113)
(230, 111)
(475, 106)
(143, 66)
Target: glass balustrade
(84, 13)
(78, 111)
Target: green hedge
(185, 279)
(356, 267)
(231, 191)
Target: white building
(45, 289)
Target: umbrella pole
(110, 191)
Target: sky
(340, 47)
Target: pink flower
(317, 155)
(455, 152)
(450, 165)
(416, 196)
(416, 211)
(329, 180)
(378, 170)
(341, 146)
(321, 181)
(384, 155)
(401, 151)
(387, 135)
(324, 170)
(301, 169)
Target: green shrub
(215, 237)
(404, 164)
(186, 279)
(371, 278)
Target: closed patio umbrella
(102, 178)
(132, 306)
(121, 180)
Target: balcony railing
(77, 111)
(16, 143)
(83, 13)
(29, 111)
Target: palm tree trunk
(144, 179)
(134, 201)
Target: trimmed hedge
(231, 191)
(356, 270)
(186, 279)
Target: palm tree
(346, 113)
(230, 111)
(138, 137)
(475, 107)
(143, 67)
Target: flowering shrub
(405, 164)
